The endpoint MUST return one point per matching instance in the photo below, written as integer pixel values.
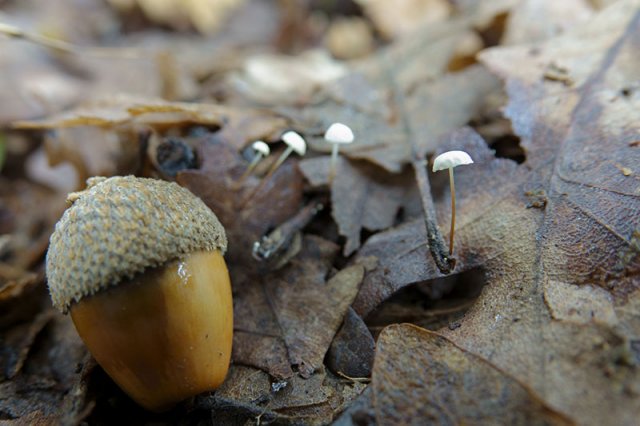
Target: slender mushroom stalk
(261, 150)
(450, 160)
(337, 134)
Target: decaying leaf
(420, 377)
(362, 195)
(351, 352)
(248, 212)
(251, 395)
(293, 313)
(433, 109)
(560, 308)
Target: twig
(63, 46)
(273, 247)
(445, 262)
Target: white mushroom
(294, 142)
(449, 160)
(337, 134)
(261, 150)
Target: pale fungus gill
(450, 160)
(138, 264)
(337, 134)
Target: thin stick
(63, 46)
(434, 238)
(453, 210)
(443, 261)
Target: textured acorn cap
(120, 226)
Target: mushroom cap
(261, 147)
(120, 226)
(451, 159)
(339, 133)
(295, 141)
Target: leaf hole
(434, 304)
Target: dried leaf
(362, 196)
(245, 220)
(251, 395)
(351, 352)
(524, 25)
(402, 17)
(421, 377)
(557, 236)
(289, 317)
(432, 109)
(240, 125)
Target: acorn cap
(120, 226)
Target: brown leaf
(524, 25)
(362, 196)
(309, 310)
(239, 125)
(289, 317)
(41, 388)
(402, 252)
(557, 236)
(245, 221)
(433, 107)
(17, 342)
(351, 352)
(420, 377)
(250, 394)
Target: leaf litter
(551, 338)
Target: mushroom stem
(279, 162)
(334, 161)
(270, 173)
(247, 172)
(453, 210)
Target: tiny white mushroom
(261, 150)
(337, 134)
(294, 142)
(450, 160)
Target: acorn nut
(138, 264)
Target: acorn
(138, 263)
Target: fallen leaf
(40, 389)
(558, 272)
(251, 395)
(309, 310)
(363, 196)
(245, 219)
(295, 306)
(523, 25)
(279, 80)
(420, 377)
(432, 109)
(403, 17)
(351, 352)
